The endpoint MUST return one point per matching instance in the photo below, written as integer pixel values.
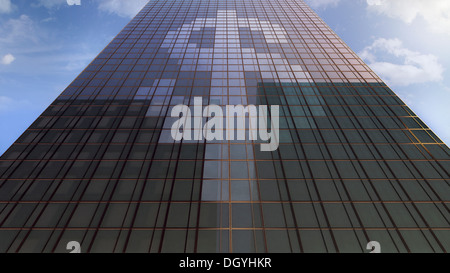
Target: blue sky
(45, 44)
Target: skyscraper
(112, 163)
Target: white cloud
(48, 19)
(7, 59)
(5, 103)
(18, 31)
(435, 12)
(5, 6)
(322, 3)
(12, 104)
(56, 3)
(122, 8)
(76, 62)
(51, 3)
(415, 67)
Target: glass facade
(354, 164)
